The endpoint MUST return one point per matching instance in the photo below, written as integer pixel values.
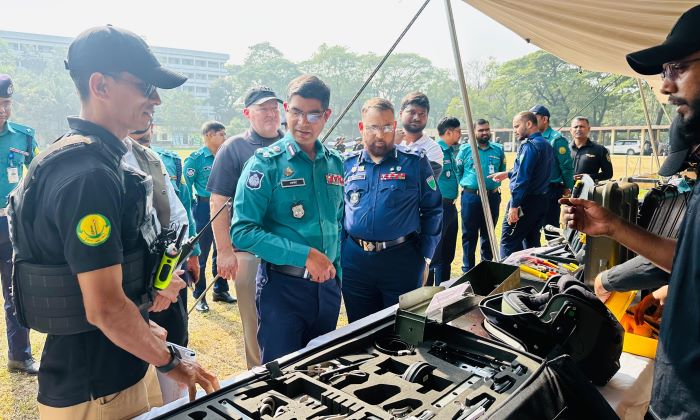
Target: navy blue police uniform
(529, 186)
(17, 148)
(392, 224)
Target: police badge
(298, 211)
(254, 180)
(354, 197)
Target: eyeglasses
(671, 71)
(386, 129)
(146, 89)
(311, 117)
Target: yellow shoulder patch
(93, 229)
(562, 150)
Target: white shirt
(432, 151)
(178, 215)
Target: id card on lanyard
(12, 169)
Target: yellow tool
(533, 272)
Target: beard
(414, 129)
(482, 140)
(692, 121)
(378, 150)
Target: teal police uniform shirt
(285, 204)
(493, 159)
(197, 169)
(17, 148)
(173, 164)
(448, 181)
(563, 169)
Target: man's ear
(98, 85)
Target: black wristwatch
(174, 360)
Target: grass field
(216, 336)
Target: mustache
(675, 100)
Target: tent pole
(651, 132)
(483, 195)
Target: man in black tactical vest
(81, 232)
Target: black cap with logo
(108, 49)
(258, 95)
(6, 88)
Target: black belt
(290, 270)
(556, 184)
(378, 246)
(473, 191)
(202, 199)
(448, 201)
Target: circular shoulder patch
(190, 172)
(93, 229)
(562, 150)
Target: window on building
(202, 90)
(214, 64)
(174, 60)
(187, 62)
(201, 63)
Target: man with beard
(441, 264)
(493, 159)
(415, 108)
(288, 210)
(393, 216)
(18, 145)
(529, 186)
(589, 157)
(262, 110)
(676, 388)
(197, 170)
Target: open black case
(401, 364)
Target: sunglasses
(146, 89)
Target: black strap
(178, 170)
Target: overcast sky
(296, 28)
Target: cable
(578, 111)
(374, 72)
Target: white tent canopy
(593, 34)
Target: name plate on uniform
(393, 175)
(334, 179)
(296, 182)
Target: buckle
(368, 246)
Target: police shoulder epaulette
(334, 153)
(499, 145)
(270, 151)
(21, 128)
(351, 154)
(168, 153)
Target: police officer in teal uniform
(493, 159)
(197, 169)
(562, 181)
(441, 265)
(288, 210)
(17, 148)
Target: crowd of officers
(298, 218)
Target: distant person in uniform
(589, 157)
(441, 264)
(17, 149)
(288, 210)
(197, 170)
(261, 109)
(493, 159)
(529, 186)
(562, 181)
(415, 108)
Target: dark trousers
(373, 281)
(292, 311)
(174, 319)
(441, 264)
(201, 218)
(526, 232)
(474, 225)
(17, 336)
(553, 211)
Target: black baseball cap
(683, 40)
(259, 94)
(6, 88)
(540, 109)
(108, 49)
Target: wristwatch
(174, 360)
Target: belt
(448, 200)
(290, 270)
(473, 191)
(378, 246)
(556, 184)
(202, 198)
